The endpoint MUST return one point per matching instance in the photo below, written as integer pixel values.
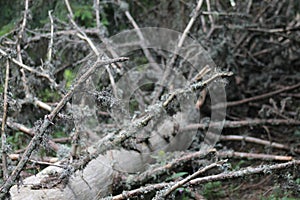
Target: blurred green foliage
(297, 132)
(238, 165)
(48, 95)
(68, 77)
(10, 12)
(83, 15)
(59, 133)
(278, 194)
(176, 176)
(184, 193)
(161, 157)
(213, 190)
(6, 28)
(16, 140)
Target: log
(95, 180)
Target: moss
(6, 29)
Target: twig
(75, 143)
(237, 124)
(186, 157)
(3, 134)
(41, 104)
(211, 19)
(249, 6)
(199, 85)
(83, 36)
(257, 141)
(143, 42)
(20, 36)
(217, 13)
(201, 74)
(195, 86)
(103, 39)
(62, 140)
(159, 87)
(245, 172)
(30, 69)
(222, 176)
(258, 97)
(44, 161)
(190, 24)
(38, 36)
(115, 139)
(69, 9)
(48, 121)
(275, 30)
(28, 131)
(261, 156)
(50, 47)
(190, 177)
(112, 81)
(96, 6)
(203, 23)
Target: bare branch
(258, 97)
(30, 69)
(3, 134)
(237, 124)
(159, 87)
(223, 176)
(48, 121)
(257, 141)
(192, 176)
(143, 42)
(261, 156)
(50, 47)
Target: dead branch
(4, 118)
(48, 121)
(187, 179)
(50, 47)
(180, 161)
(242, 123)
(259, 97)
(171, 62)
(257, 141)
(234, 154)
(143, 43)
(222, 176)
(30, 69)
(245, 172)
